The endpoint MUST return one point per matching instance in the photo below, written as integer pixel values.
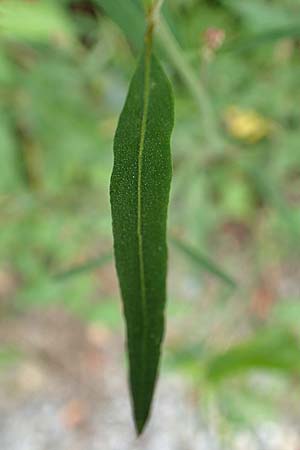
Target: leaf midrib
(146, 95)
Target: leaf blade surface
(140, 186)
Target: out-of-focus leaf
(106, 312)
(269, 350)
(82, 269)
(254, 41)
(128, 16)
(6, 69)
(187, 359)
(9, 355)
(261, 15)
(140, 188)
(245, 406)
(273, 196)
(287, 313)
(35, 21)
(9, 173)
(203, 262)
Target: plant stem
(153, 5)
(152, 13)
(193, 83)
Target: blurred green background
(234, 291)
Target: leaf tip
(141, 420)
(140, 424)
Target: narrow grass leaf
(203, 262)
(82, 269)
(269, 350)
(254, 41)
(140, 186)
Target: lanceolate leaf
(140, 187)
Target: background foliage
(64, 71)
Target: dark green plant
(62, 81)
(140, 187)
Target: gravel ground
(68, 392)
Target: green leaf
(203, 262)
(140, 188)
(245, 406)
(9, 356)
(82, 269)
(36, 21)
(287, 313)
(269, 350)
(253, 41)
(267, 187)
(262, 15)
(128, 16)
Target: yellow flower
(246, 124)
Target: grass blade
(251, 42)
(140, 186)
(82, 269)
(203, 262)
(269, 350)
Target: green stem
(153, 5)
(193, 83)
